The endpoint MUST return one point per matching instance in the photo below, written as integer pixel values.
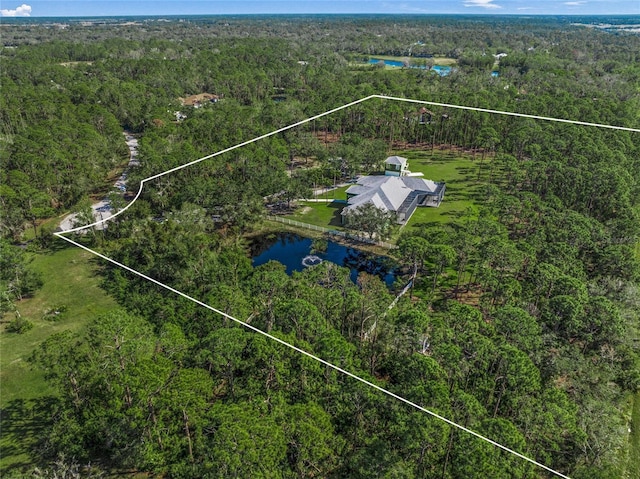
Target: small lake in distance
(439, 69)
(294, 252)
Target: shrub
(19, 325)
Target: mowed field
(70, 281)
(464, 176)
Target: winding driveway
(102, 209)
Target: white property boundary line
(316, 358)
(302, 122)
(284, 343)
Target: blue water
(495, 74)
(290, 249)
(439, 69)
(390, 63)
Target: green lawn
(322, 214)
(70, 280)
(464, 188)
(335, 194)
(326, 215)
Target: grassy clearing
(464, 186)
(335, 194)
(326, 215)
(70, 280)
(75, 64)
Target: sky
(84, 8)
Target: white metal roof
(387, 192)
(396, 160)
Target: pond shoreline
(274, 227)
(295, 250)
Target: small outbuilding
(396, 166)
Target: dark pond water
(294, 252)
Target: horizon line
(346, 14)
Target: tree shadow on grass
(58, 244)
(336, 218)
(51, 245)
(23, 423)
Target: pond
(294, 252)
(439, 69)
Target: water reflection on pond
(294, 252)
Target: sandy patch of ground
(198, 99)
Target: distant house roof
(395, 160)
(388, 192)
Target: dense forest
(523, 323)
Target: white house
(394, 192)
